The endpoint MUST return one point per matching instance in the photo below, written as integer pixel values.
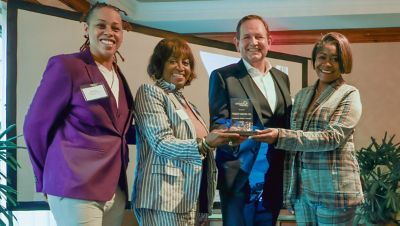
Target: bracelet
(202, 151)
(207, 146)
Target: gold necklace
(112, 77)
(317, 92)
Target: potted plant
(7, 192)
(380, 177)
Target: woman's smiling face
(177, 71)
(327, 63)
(104, 29)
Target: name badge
(182, 114)
(94, 91)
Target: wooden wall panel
(365, 35)
(310, 36)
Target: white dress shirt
(264, 82)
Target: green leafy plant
(380, 177)
(7, 192)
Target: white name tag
(182, 114)
(94, 91)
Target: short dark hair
(345, 58)
(163, 51)
(251, 17)
(88, 14)
(86, 18)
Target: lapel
(324, 96)
(169, 89)
(283, 87)
(109, 104)
(178, 107)
(249, 88)
(300, 108)
(198, 116)
(126, 88)
(128, 96)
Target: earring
(86, 36)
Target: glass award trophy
(241, 117)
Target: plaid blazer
(169, 165)
(320, 162)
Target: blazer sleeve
(45, 114)
(156, 122)
(339, 127)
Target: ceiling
(203, 16)
(211, 16)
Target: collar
(102, 67)
(254, 72)
(87, 56)
(168, 87)
(333, 85)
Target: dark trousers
(238, 211)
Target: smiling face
(104, 29)
(177, 71)
(327, 64)
(253, 43)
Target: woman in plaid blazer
(175, 173)
(322, 181)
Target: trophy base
(242, 132)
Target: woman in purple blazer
(76, 125)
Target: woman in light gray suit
(175, 173)
(321, 176)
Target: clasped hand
(269, 136)
(219, 137)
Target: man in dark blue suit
(250, 175)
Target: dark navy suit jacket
(235, 164)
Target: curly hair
(163, 51)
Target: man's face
(254, 43)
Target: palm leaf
(7, 192)
(7, 130)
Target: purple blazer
(78, 148)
